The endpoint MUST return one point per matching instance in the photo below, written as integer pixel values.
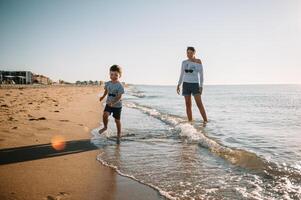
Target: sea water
(249, 149)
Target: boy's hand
(178, 90)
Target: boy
(114, 89)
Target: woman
(192, 79)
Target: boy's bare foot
(102, 130)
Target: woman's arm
(180, 78)
(196, 60)
(201, 74)
(181, 74)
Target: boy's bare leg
(188, 107)
(118, 125)
(105, 119)
(201, 107)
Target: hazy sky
(239, 41)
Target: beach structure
(41, 79)
(16, 77)
(23, 77)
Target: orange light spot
(58, 142)
(86, 129)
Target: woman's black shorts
(190, 88)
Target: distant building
(16, 77)
(41, 79)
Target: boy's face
(114, 75)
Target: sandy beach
(36, 120)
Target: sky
(238, 41)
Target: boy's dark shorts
(116, 111)
(190, 88)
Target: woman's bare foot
(102, 130)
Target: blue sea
(249, 149)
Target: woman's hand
(178, 89)
(201, 90)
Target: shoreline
(163, 195)
(25, 86)
(29, 119)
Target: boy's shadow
(40, 151)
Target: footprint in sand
(56, 111)
(37, 119)
(64, 120)
(60, 196)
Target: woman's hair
(191, 49)
(116, 68)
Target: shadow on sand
(40, 151)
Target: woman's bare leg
(188, 107)
(199, 103)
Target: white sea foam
(188, 131)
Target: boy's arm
(104, 95)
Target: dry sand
(30, 168)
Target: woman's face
(190, 54)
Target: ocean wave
(239, 157)
(133, 91)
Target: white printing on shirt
(196, 76)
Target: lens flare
(58, 142)
(86, 129)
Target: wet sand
(30, 168)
